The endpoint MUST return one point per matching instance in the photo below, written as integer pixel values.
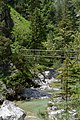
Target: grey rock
(45, 78)
(0, 118)
(41, 76)
(28, 93)
(47, 74)
(51, 73)
(54, 108)
(9, 111)
(52, 114)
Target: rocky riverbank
(9, 111)
(34, 93)
(56, 108)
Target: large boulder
(9, 111)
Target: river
(35, 109)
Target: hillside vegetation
(21, 30)
(40, 25)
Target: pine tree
(6, 21)
(5, 56)
(6, 25)
(37, 24)
(66, 26)
(38, 30)
(70, 76)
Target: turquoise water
(35, 108)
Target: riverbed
(35, 109)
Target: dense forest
(39, 25)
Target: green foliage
(38, 30)
(70, 75)
(62, 27)
(5, 55)
(77, 4)
(21, 30)
(16, 80)
(2, 91)
(50, 25)
(6, 22)
(76, 44)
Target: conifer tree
(37, 24)
(5, 56)
(6, 25)
(38, 30)
(6, 21)
(66, 25)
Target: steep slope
(21, 30)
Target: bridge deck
(50, 53)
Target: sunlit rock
(9, 111)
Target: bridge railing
(50, 53)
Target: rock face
(45, 78)
(9, 111)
